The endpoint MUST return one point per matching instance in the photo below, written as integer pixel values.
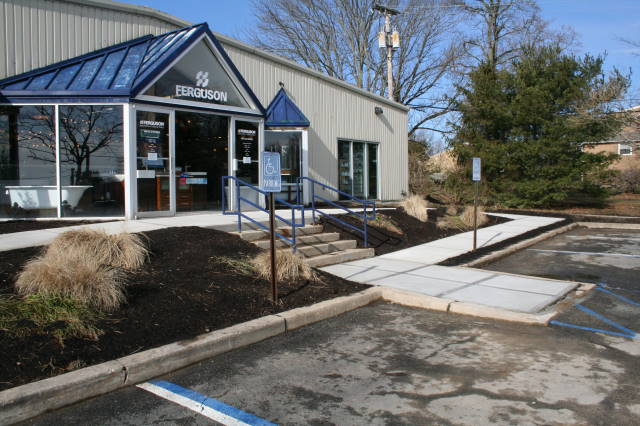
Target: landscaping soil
(411, 230)
(483, 251)
(11, 226)
(180, 293)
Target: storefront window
(358, 168)
(28, 162)
(288, 144)
(91, 160)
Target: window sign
(149, 142)
(198, 76)
(271, 181)
(247, 151)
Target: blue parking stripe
(624, 299)
(607, 320)
(597, 330)
(228, 410)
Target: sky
(599, 25)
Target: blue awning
(115, 73)
(283, 112)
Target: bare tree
(339, 38)
(502, 29)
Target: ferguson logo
(202, 79)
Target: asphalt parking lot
(391, 365)
(609, 258)
(386, 364)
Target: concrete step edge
(340, 257)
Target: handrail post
(313, 201)
(293, 229)
(366, 239)
(238, 207)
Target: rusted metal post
(272, 228)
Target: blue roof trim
(283, 112)
(114, 72)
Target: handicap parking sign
(271, 181)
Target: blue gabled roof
(283, 112)
(115, 72)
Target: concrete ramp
(505, 291)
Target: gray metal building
(342, 136)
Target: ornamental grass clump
(467, 217)
(416, 206)
(123, 250)
(289, 266)
(86, 266)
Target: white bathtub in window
(35, 197)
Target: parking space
(609, 258)
(388, 364)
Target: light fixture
(378, 110)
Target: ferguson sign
(200, 91)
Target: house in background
(626, 144)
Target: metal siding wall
(335, 112)
(36, 33)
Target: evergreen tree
(527, 123)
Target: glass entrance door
(154, 174)
(202, 159)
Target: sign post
(475, 175)
(271, 182)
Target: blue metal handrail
(238, 212)
(363, 216)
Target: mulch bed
(11, 226)
(412, 231)
(179, 294)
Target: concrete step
(340, 257)
(255, 235)
(303, 240)
(324, 248)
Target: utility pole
(389, 40)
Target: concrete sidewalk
(414, 269)
(215, 220)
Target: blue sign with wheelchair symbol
(271, 181)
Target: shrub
(289, 266)
(416, 206)
(627, 180)
(123, 250)
(76, 275)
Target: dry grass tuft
(387, 223)
(124, 250)
(467, 217)
(86, 266)
(74, 275)
(416, 206)
(289, 266)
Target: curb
(519, 246)
(604, 225)
(415, 300)
(32, 399)
(474, 310)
